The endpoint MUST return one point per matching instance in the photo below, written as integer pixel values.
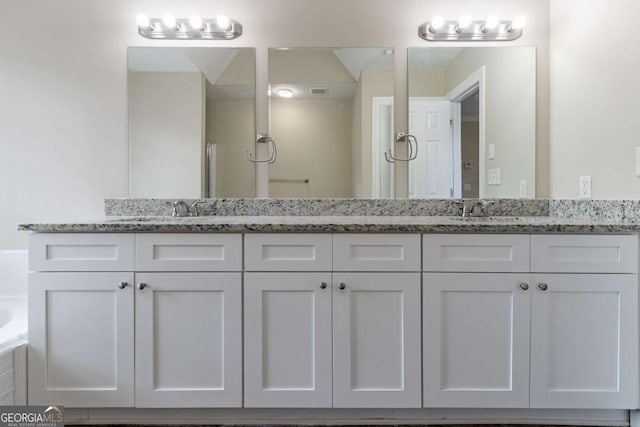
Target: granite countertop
(336, 224)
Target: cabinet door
(584, 341)
(81, 339)
(476, 340)
(287, 340)
(376, 340)
(189, 340)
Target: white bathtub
(13, 323)
(13, 351)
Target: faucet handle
(464, 211)
(194, 211)
(480, 207)
(180, 208)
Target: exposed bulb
(464, 21)
(285, 93)
(223, 22)
(519, 22)
(491, 23)
(196, 22)
(169, 21)
(143, 20)
(437, 22)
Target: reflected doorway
(470, 144)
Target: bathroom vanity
(334, 312)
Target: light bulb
(285, 93)
(143, 20)
(437, 22)
(491, 23)
(169, 21)
(464, 21)
(196, 22)
(223, 22)
(519, 22)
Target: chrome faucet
(182, 209)
(478, 208)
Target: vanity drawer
(287, 252)
(376, 252)
(475, 253)
(81, 252)
(188, 252)
(584, 253)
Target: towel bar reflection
(413, 148)
(273, 152)
(290, 181)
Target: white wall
(595, 97)
(230, 125)
(166, 134)
(313, 136)
(63, 78)
(13, 273)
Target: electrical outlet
(492, 151)
(494, 176)
(584, 187)
(523, 188)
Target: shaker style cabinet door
(584, 341)
(287, 340)
(376, 340)
(188, 340)
(81, 339)
(476, 340)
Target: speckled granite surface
(605, 210)
(325, 207)
(338, 224)
(360, 215)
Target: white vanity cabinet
(308, 294)
(187, 325)
(476, 309)
(582, 337)
(188, 340)
(287, 320)
(584, 327)
(369, 320)
(81, 339)
(376, 321)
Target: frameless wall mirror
(331, 115)
(191, 117)
(472, 110)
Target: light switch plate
(492, 151)
(523, 188)
(584, 187)
(495, 176)
(637, 161)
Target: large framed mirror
(473, 112)
(331, 115)
(191, 118)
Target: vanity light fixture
(467, 29)
(194, 28)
